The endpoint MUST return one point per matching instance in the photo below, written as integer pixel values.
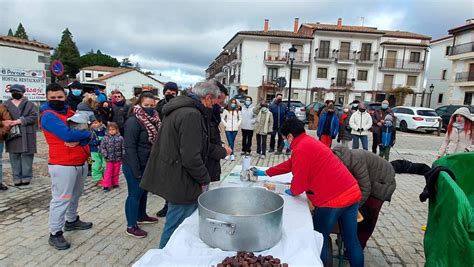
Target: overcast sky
(180, 38)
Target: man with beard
(169, 91)
(75, 95)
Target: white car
(416, 118)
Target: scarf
(151, 123)
(458, 125)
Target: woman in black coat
(141, 132)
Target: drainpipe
(309, 70)
(403, 59)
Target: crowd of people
(172, 148)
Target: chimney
(296, 25)
(265, 26)
(339, 23)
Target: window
(344, 50)
(362, 75)
(322, 73)
(427, 112)
(365, 51)
(324, 47)
(100, 75)
(88, 75)
(411, 80)
(415, 56)
(448, 49)
(272, 74)
(296, 74)
(443, 75)
(440, 98)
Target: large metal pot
(240, 218)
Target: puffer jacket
(459, 140)
(231, 120)
(362, 121)
(112, 147)
(248, 118)
(262, 118)
(344, 132)
(376, 176)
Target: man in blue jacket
(279, 110)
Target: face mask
(384, 106)
(248, 103)
(17, 96)
(286, 144)
(149, 111)
(362, 110)
(331, 111)
(168, 97)
(76, 92)
(354, 105)
(57, 105)
(388, 123)
(233, 106)
(346, 110)
(278, 100)
(264, 109)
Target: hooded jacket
(262, 119)
(333, 125)
(248, 118)
(459, 140)
(176, 167)
(231, 120)
(375, 175)
(362, 121)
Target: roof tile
(17, 40)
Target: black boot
(3, 187)
(77, 225)
(163, 211)
(58, 242)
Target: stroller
(449, 236)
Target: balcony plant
(400, 93)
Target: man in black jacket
(75, 94)
(169, 91)
(176, 169)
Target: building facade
(337, 62)
(461, 54)
(439, 71)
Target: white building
(439, 71)
(123, 79)
(333, 62)
(461, 53)
(29, 57)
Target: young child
(98, 161)
(387, 137)
(79, 121)
(328, 126)
(112, 148)
(263, 127)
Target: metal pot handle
(220, 224)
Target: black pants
(261, 144)
(375, 142)
(280, 140)
(247, 140)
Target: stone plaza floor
(397, 240)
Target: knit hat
(170, 86)
(17, 88)
(79, 118)
(389, 117)
(75, 85)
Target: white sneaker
(227, 158)
(232, 157)
(262, 156)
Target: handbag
(15, 132)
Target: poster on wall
(33, 80)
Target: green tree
(126, 63)
(68, 53)
(20, 32)
(10, 32)
(98, 58)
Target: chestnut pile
(248, 259)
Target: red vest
(59, 153)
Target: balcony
(234, 79)
(386, 87)
(221, 61)
(346, 57)
(400, 65)
(323, 55)
(275, 57)
(367, 57)
(464, 79)
(461, 49)
(342, 83)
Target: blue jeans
(22, 167)
(135, 205)
(363, 138)
(231, 138)
(2, 144)
(175, 216)
(324, 220)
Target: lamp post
(431, 94)
(423, 97)
(292, 53)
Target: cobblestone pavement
(397, 240)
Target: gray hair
(202, 89)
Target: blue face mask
(233, 106)
(286, 144)
(76, 92)
(248, 103)
(384, 106)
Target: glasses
(118, 96)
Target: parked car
(416, 118)
(445, 112)
(300, 109)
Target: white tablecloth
(299, 246)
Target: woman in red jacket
(328, 184)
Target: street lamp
(431, 94)
(292, 54)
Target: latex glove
(259, 172)
(288, 192)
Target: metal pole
(289, 86)
(422, 98)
